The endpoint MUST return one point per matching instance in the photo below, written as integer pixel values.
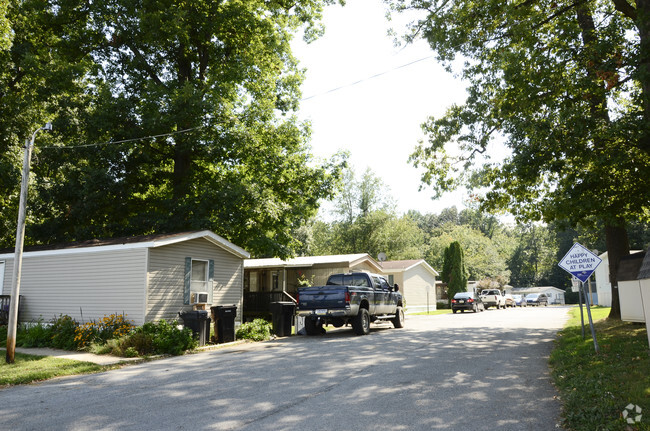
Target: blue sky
(377, 118)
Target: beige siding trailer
(147, 278)
(417, 282)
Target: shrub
(63, 332)
(36, 335)
(257, 330)
(110, 327)
(160, 338)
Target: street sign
(580, 262)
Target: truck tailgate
(321, 297)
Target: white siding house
(417, 282)
(147, 278)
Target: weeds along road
(483, 371)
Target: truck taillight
(297, 298)
(453, 301)
(470, 300)
(347, 297)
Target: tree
(535, 256)
(482, 258)
(453, 270)
(567, 88)
(210, 87)
(366, 222)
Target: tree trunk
(618, 246)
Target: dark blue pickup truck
(357, 298)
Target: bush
(110, 327)
(257, 330)
(442, 305)
(37, 335)
(63, 333)
(160, 338)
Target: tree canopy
(167, 115)
(564, 84)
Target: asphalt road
(483, 371)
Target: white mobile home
(417, 281)
(148, 278)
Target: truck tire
(398, 320)
(361, 322)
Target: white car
(493, 298)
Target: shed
(629, 287)
(417, 282)
(148, 278)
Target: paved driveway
(484, 371)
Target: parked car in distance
(520, 301)
(537, 299)
(510, 301)
(493, 298)
(466, 301)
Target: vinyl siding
(415, 285)
(86, 285)
(166, 278)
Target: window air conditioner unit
(199, 298)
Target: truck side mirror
(395, 287)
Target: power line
(368, 78)
(61, 147)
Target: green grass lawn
(596, 388)
(430, 313)
(31, 368)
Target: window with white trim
(199, 282)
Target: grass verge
(430, 313)
(596, 388)
(31, 368)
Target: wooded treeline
(365, 219)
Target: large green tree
(365, 221)
(565, 84)
(453, 270)
(211, 85)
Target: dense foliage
(496, 253)
(257, 330)
(111, 334)
(565, 86)
(453, 269)
(168, 116)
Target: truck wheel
(398, 320)
(311, 328)
(361, 322)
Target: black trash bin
(199, 322)
(224, 322)
(282, 313)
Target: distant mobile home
(148, 278)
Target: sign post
(581, 263)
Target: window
(275, 280)
(199, 276)
(2, 279)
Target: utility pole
(18, 255)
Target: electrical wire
(62, 147)
(367, 79)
